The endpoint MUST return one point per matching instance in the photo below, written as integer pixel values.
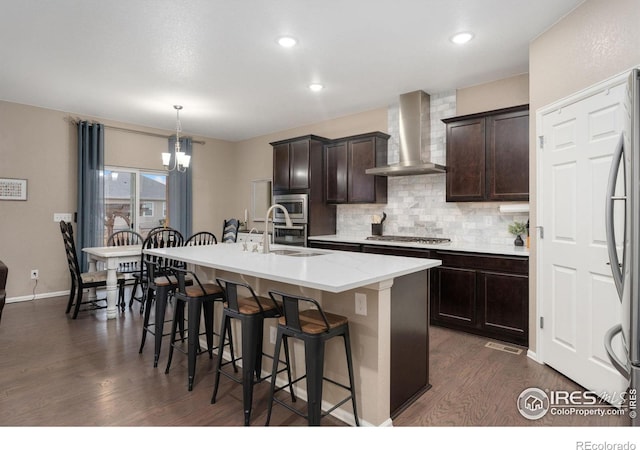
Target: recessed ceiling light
(287, 41)
(461, 38)
(316, 87)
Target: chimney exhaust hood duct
(415, 134)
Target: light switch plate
(67, 217)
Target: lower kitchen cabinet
(482, 294)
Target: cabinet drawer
(397, 251)
(481, 261)
(342, 246)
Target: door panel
(579, 301)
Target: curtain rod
(75, 121)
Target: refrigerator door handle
(616, 268)
(620, 366)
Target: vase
(518, 242)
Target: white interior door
(578, 296)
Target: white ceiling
(131, 61)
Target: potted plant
(518, 229)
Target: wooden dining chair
(230, 230)
(4, 272)
(201, 238)
(84, 280)
(132, 271)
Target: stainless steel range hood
(415, 130)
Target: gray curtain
(90, 220)
(179, 191)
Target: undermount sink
(296, 253)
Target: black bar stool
(198, 297)
(314, 327)
(161, 284)
(251, 312)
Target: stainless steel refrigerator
(623, 206)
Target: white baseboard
(534, 356)
(26, 298)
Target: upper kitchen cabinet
(488, 156)
(296, 162)
(346, 161)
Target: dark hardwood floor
(55, 371)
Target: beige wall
(40, 145)
(597, 40)
(503, 93)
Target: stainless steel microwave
(296, 205)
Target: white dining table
(112, 257)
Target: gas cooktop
(414, 239)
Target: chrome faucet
(265, 236)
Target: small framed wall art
(13, 189)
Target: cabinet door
(466, 160)
(299, 165)
(281, 167)
(453, 297)
(504, 299)
(336, 172)
(362, 156)
(508, 156)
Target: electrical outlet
(34, 274)
(272, 335)
(361, 304)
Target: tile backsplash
(416, 204)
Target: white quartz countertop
(332, 271)
(510, 250)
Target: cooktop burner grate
(414, 239)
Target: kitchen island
(389, 332)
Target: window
(146, 209)
(132, 190)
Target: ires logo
(534, 403)
(575, 398)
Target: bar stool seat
(314, 327)
(199, 298)
(250, 311)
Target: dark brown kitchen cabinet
(342, 246)
(488, 156)
(295, 163)
(482, 294)
(346, 161)
(455, 299)
(336, 162)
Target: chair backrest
(70, 250)
(201, 238)
(230, 230)
(124, 237)
(291, 309)
(230, 291)
(161, 238)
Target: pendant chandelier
(180, 159)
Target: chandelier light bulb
(181, 160)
